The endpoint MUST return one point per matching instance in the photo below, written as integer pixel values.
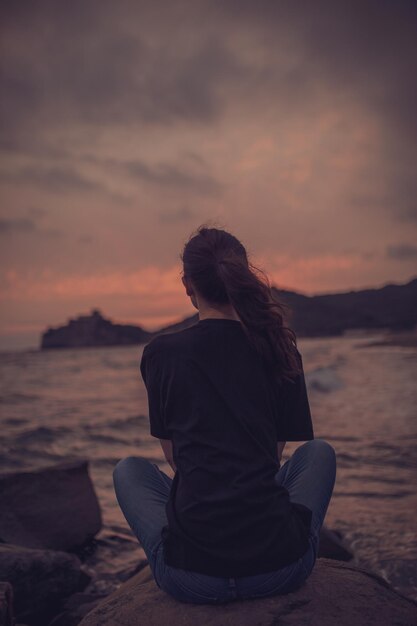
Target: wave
(323, 379)
(15, 421)
(124, 422)
(339, 437)
(373, 494)
(16, 398)
(103, 438)
(42, 434)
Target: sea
(92, 403)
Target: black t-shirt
(210, 393)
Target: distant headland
(392, 307)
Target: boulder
(54, 507)
(75, 608)
(111, 558)
(335, 593)
(6, 604)
(41, 579)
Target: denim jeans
(142, 491)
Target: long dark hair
(217, 264)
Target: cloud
(53, 178)
(166, 174)
(37, 211)
(27, 225)
(401, 252)
(49, 282)
(85, 239)
(343, 44)
(193, 175)
(61, 178)
(184, 63)
(17, 225)
(185, 66)
(113, 73)
(182, 214)
(297, 116)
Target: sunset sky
(126, 125)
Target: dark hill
(392, 307)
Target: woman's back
(232, 522)
(210, 394)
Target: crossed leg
(142, 491)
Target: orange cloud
(161, 286)
(156, 293)
(149, 281)
(308, 274)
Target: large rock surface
(75, 608)
(54, 507)
(335, 594)
(40, 579)
(6, 604)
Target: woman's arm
(166, 445)
(280, 448)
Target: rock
(75, 608)
(40, 579)
(332, 546)
(54, 507)
(6, 604)
(335, 593)
(111, 558)
(93, 330)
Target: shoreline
(405, 339)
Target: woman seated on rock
(224, 395)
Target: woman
(224, 396)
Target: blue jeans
(142, 491)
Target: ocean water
(92, 403)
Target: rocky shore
(59, 567)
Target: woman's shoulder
(154, 354)
(172, 340)
(155, 346)
(163, 344)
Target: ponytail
(217, 264)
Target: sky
(126, 125)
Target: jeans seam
(157, 563)
(267, 581)
(190, 592)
